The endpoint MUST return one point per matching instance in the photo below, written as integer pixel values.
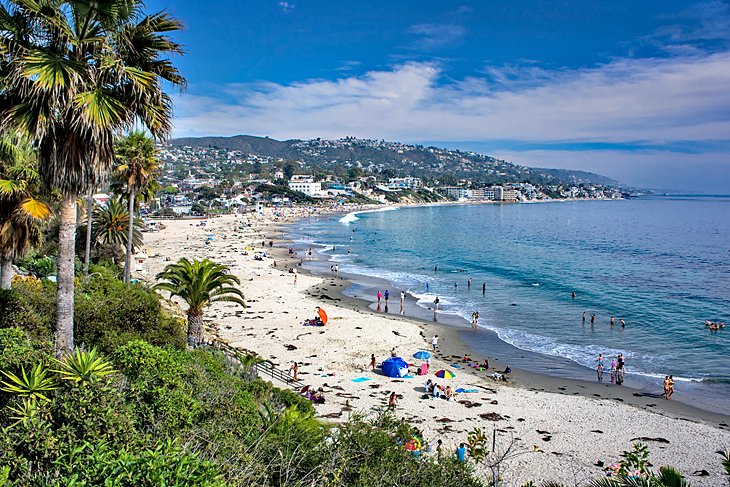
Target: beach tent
(395, 367)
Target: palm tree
(74, 75)
(138, 168)
(20, 210)
(199, 283)
(111, 226)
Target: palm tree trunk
(195, 328)
(6, 273)
(63, 335)
(130, 234)
(89, 211)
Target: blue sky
(639, 91)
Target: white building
(405, 183)
(306, 185)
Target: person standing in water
(402, 301)
(386, 296)
(379, 295)
(468, 283)
(613, 321)
(484, 288)
(593, 318)
(584, 317)
(436, 303)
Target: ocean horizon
(659, 263)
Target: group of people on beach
(618, 369)
(386, 298)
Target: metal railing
(268, 369)
(264, 368)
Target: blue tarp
(394, 367)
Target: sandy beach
(560, 434)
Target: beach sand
(560, 429)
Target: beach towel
(456, 366)
(361, 379)
(460, 390)
(408, 376)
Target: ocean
(661, 264)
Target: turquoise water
(660, 264)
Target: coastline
(331, 357)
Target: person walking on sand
(379, 295)
(372, 361)
(294, 371)
(294, 271)
(392, 400)
(599, 371)
(435, 342)
(402, 301)
(671, 387)
(386, 295)
(666, 387)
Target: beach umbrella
(422, 355)
(445, 374)
(322, 315)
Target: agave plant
(33, 384)
(83, 366)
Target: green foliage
(35, 384)
(165, 464)
(156, 383)
(634, 469)
(109, 314)
(17, 349)
(30, 305)
(726, 461)
(83, 366)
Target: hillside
(394, 159)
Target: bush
(30, 304)
(109, 313)
(163, 464)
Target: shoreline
(551, 429)
(568, 376)
(453, 345)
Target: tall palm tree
(199, 283)
(21, 211)
(75, 74)
(111, 226)
(139, 166)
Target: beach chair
(424, 369)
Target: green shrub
(164, 464)
(31, 305)
(156, 384)
(109, 313)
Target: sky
(637, 91)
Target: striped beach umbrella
(445, 374)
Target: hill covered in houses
(352, 156)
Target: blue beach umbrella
(422, 355)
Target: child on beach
(613, 371)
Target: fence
(264, 368)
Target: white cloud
(651, 100)
(434, 36)
(287, 6)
